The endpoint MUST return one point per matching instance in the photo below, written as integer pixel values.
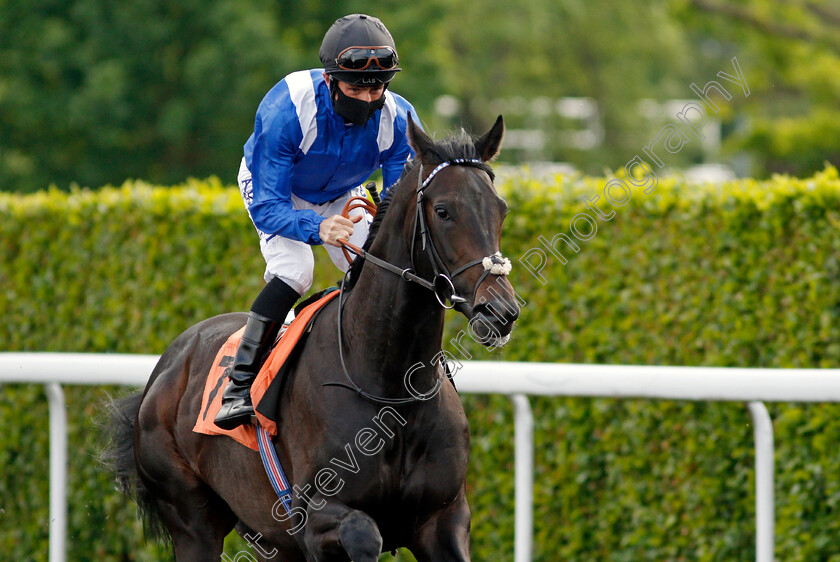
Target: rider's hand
(337, 228)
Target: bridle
(441, 284)
(442, 280)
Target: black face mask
(352, 110)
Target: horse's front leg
(445, 536)
(334, 531)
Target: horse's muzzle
(491, 322)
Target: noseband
(441, 284)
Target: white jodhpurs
(292, 260)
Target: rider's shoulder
(402, 104)
(289, 98)
(403, 108)
(296, 89)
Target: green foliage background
(742, 274)
(94, 92)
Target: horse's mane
(458, 146)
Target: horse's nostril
(494, 312)
(480, 309)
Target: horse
(374, 439)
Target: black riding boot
(260, 332)
(237, 409)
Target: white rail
(513, 379)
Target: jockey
(318, 134)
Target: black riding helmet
(358, 49)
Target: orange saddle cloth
(217, 378)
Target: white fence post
(524, 453)
(58, 472)
(765, 523)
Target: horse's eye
(442, 213)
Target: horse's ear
(488, 146)
(418, 140)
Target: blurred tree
(793, 47)
(614, 52)
(94, 92)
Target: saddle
(265, 392)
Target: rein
(348, 248)
(353, 386)
(442, 281)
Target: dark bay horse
(374, 468)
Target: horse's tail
(119, 458)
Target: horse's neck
(395, 319)
(391, 325)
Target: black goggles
(360, 58)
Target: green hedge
(738, 275)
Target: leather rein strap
(347, 247)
